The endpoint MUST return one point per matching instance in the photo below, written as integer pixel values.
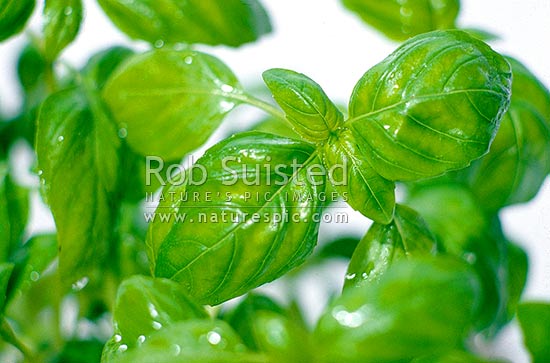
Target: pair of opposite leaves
(402, 126)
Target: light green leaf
(185, 92)
(519, 160)
(464, 231)
(518, 268)
(306, 105)
(77, 148)
(454, 357)
(14, 213)
(432, 106)
(13, 16)
(419, 307)
(144, 305)
(407, 236)
(62, 20)
(5, 274)
(364, 189)
(193, 341)
(276, 126)
(400, 20)
(228, 22)
(534, 319)
(257, 205)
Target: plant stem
(262, 105)
(7, 333)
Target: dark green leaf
(257, 200)
(184, 92)
(463, 230)
(365, 190)
(31, 70)
(306, 105)
(242, 317)
(77, 148)
(145, 305)
(519, 160)
(228, 22)
(432, 106)
(102, 64)
(534, 319)
(62, 20)
(399, 20)
(14, 213)
(405, 237)
(5, 274)
(342, 247)
(80, 351)
(31, 260)
(13, 16)
(193, 341)
(419, 307)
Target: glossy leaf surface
(366, 191)
(432, 106)
(228, 22)
(62, 20)
(419, 307)
(145, 305)
(259, 200)
(399, 20)
(77, 146)
(464, 231)
(519, 160)
(13, 16)
(186, 92)
(306, 105)
(534, 319)
(407, 236)
(14, 213)
(192, 341)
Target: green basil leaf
(229, 22)
(454, 357)
(193, 341)
(519, 160)
(534, 319)
(283, 339)
(366, 191)
(432, 106)
(406, 236)
(276, 126)
(399, 20)
(242, 317)
(14, 213)
(5, 274)
(339, 248)
(80, 351)
(13, 16)
(31, 260)
(464, 231)
(306, 105)
(144, 305)
(62, 20)
(186, 92)
(31, 72)
(104, 63)
(518, 268)
(418, 307)
(252, 186)
(77, 148)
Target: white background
(321, 39)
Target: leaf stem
(7, 333)
(262, 105)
